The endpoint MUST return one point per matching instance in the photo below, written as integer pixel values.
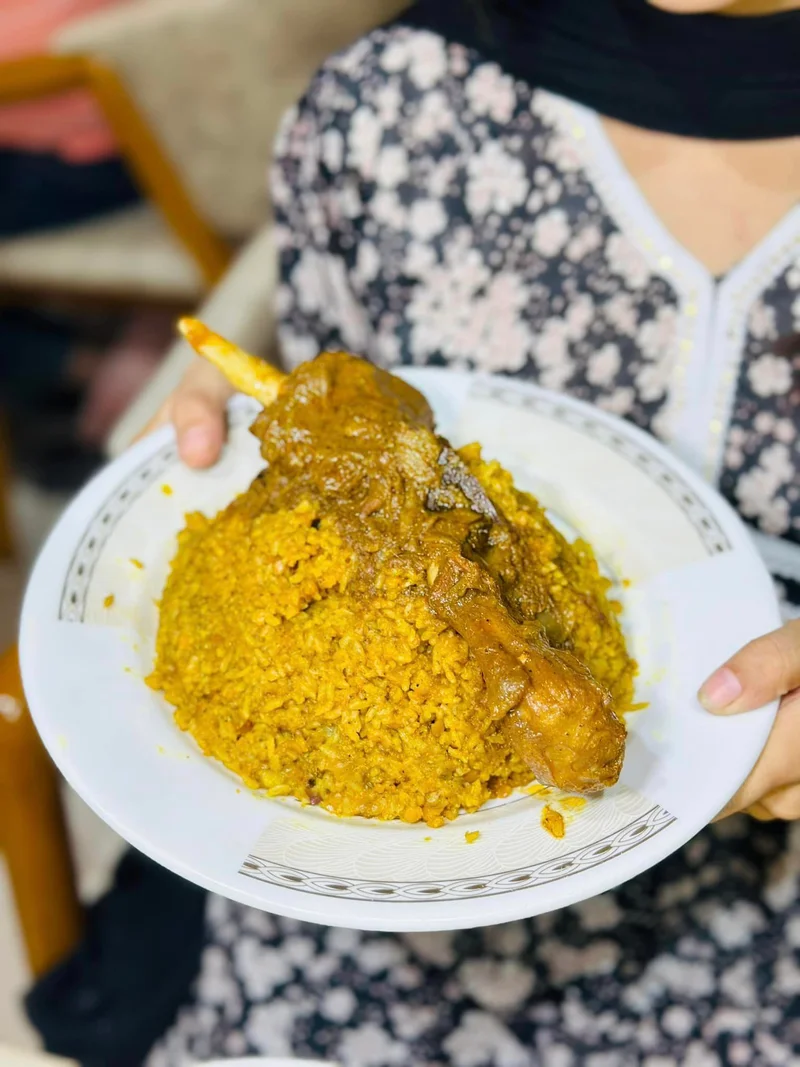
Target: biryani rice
(373, 708)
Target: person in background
(59, 165)
(600, 196)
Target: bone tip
(194, 332)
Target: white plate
(697, 591)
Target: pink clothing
(70, 125)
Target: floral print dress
(433, 210)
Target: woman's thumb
(764, 670)
(199, 420)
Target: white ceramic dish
(697, 591)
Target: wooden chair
(194, 91)
(165, 251)
(77, 260)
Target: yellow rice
(370, 708)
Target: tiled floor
(96, 848)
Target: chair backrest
(213, 77)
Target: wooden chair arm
(33, 833)
(34, 76)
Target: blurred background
(135, 138)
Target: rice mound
(373, 708)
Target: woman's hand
(763, 671)
(197, 411)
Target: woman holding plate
(599, 196)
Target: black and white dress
(433, 210)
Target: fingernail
(196, 443)
(720, 691)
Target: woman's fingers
(764, 670)
(199, 420)
(771, 790)
(197, 411)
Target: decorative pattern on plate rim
(607, 848)
(698, 514)
(83, 563)
(89, 550)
